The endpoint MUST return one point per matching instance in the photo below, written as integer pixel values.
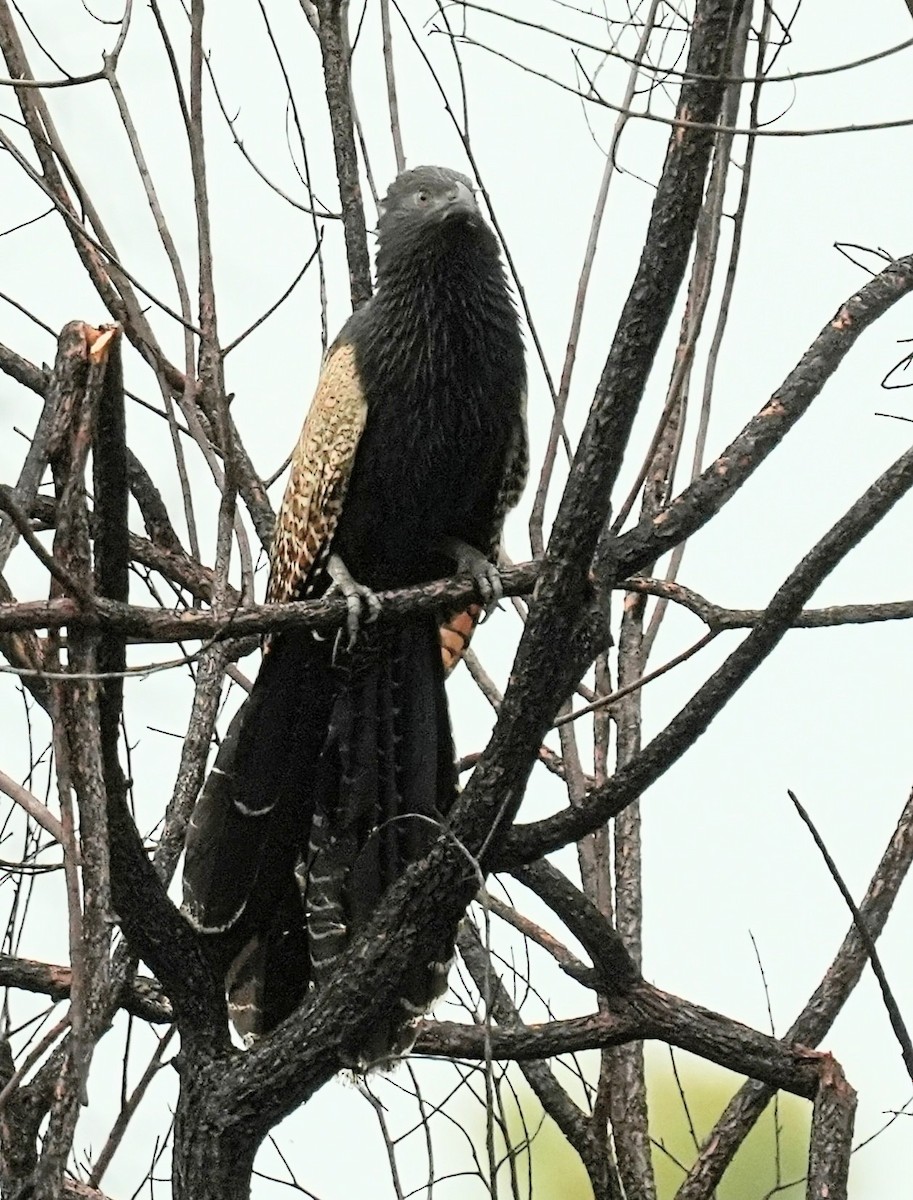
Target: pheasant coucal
(339, 768)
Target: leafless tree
(99, 520)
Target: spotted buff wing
(321, 466)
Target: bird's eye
(422, 198)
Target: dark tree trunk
(212, 1159)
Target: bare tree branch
(816, 1018)
(334, 47)
(527, 843)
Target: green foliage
(766, 1165)
(765, 1161)
(558, 1173)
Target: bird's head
(424, 196)
(430, 215)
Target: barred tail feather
(268, 978)
(388, 780)
(251, 827)
(335, 775)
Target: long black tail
(334, 775)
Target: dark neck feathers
(442, 306)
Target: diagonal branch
(563, 630)
(816, 1018)
(891, 1006)
(706, 495)
(528, 842)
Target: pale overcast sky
(828, 715)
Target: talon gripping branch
(413, 451)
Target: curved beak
(460, 199)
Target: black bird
(338, 770)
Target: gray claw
(470, 561)
(361, 602)
(488, 581)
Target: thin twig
(891, 1006)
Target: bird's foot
(470, 561)
(361, 602)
